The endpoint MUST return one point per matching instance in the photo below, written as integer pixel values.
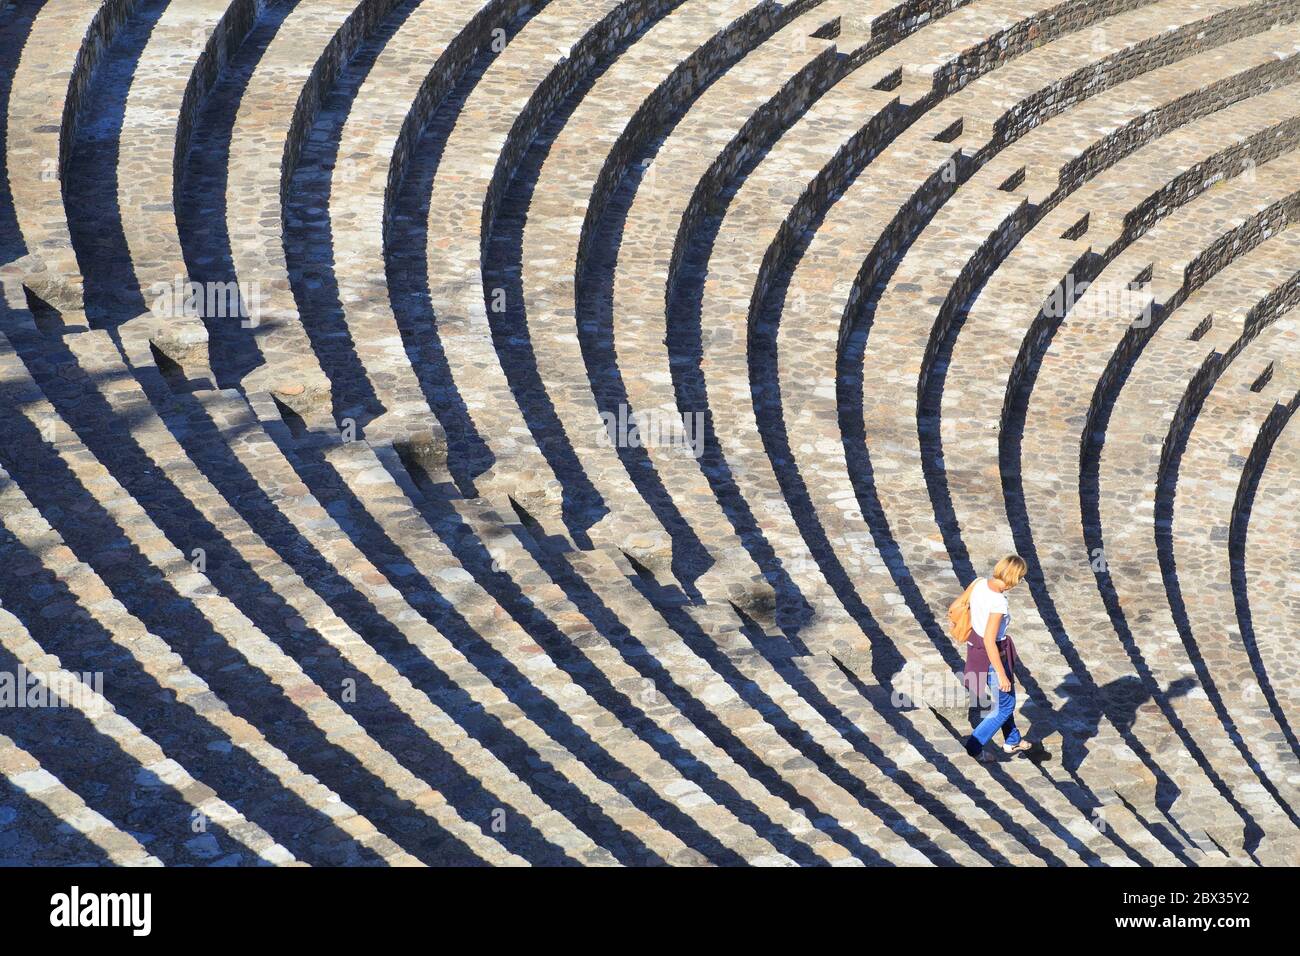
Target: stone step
(25, 775)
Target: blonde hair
(1010, 570)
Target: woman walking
(992, 657)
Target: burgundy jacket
(977, 659)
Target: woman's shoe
(987, 756)
(1023, 747)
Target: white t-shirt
(985, 601)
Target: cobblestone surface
(478, 432)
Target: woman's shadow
(1079, 720)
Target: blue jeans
(1003, 716)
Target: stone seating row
(1266, 561)
(45, 840)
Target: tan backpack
(959, 625)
